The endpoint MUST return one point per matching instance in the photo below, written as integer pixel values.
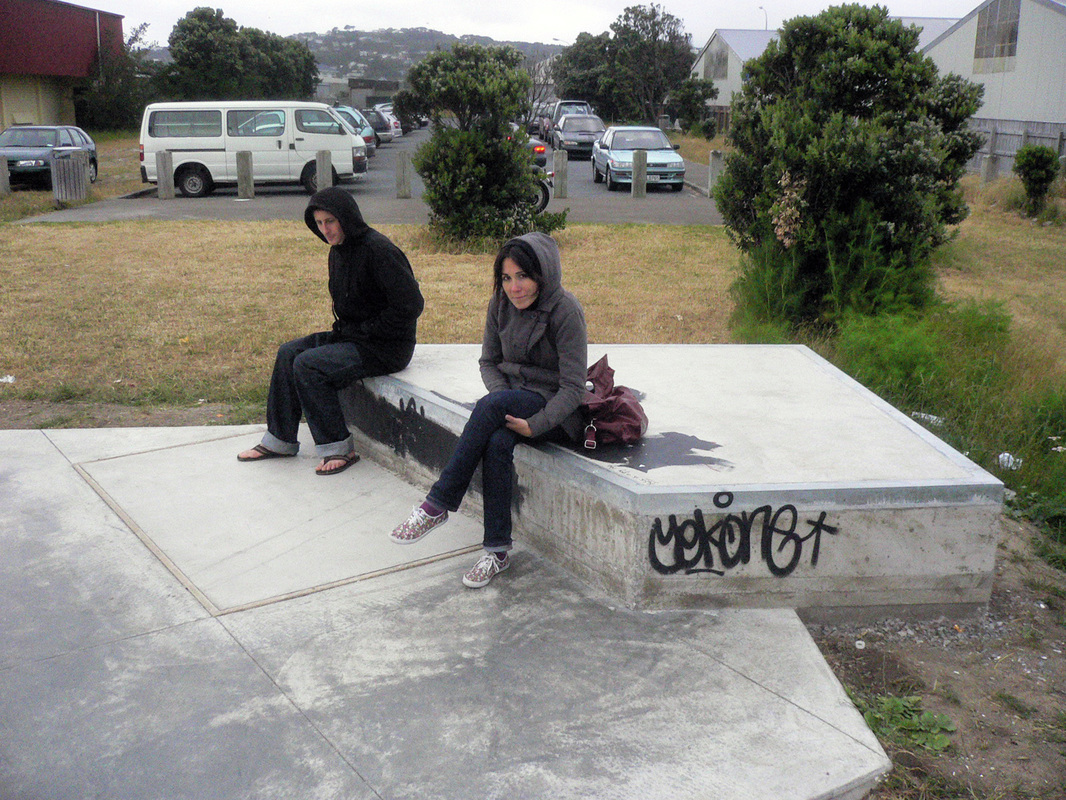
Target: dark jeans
(308, 372)
(487, 440)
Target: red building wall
(47, 37)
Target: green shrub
(1037, 166)
(857, 179)
(478, 186)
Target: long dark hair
(521, 254)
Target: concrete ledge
(768, 478)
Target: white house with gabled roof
(1017, 50)
(721, 60)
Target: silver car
(612, 157)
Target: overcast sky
(548, 21)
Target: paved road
(376, 193)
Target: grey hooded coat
(543, 348)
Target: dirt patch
(1000, 678)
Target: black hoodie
(376, 300)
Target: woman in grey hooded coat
(534, 356)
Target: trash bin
(70, 176)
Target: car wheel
(309, 178)
(93, 172)
(611, 184)
(194, 182)
(677, 187)
(596, 177)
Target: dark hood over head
(341, 205)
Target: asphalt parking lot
(376, 193)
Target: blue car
(31, 149)
(612, 157)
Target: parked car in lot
(560, 110)
(31, 149)
(361, 126)
(385, 109)
(576, 133)
(381, 124)
(612, 157)
(283, 136)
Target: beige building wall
(35, 100)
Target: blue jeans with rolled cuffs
(486, 440)
(308, 373)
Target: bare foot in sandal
(260, 453)
(332, 465)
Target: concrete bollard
(714, 170)
(989, 169)
(5, 179)
(324, 169)
(639, 186)
(403, 175)
(245, 183)
(70, 177)
(560, 160)
(164, 175)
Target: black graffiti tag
(690, 546)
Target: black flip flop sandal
(264, 454)
(348, 460)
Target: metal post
(639, 186)
(560, 158)
(5, 179)
(245, 183)
(324, 166)
(403, 175)
(164, 174)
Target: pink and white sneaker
(416, 526)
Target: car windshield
(582, 124)
(28, 137)
(574, 108)
(641, 140)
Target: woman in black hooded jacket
(376, 305)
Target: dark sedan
(31, 149)
(576, 133)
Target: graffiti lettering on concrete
(778, 536)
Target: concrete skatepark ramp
(767, 478)
(178, 624)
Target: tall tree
(214, 59)
(119, 86)
(208, 58)
(629, 72)
(848, 148)
(652, 55)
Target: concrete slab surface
(178, 625)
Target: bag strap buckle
(590, 437)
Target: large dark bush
(848, 148)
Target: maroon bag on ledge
(614, 414)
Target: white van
(284, 138)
